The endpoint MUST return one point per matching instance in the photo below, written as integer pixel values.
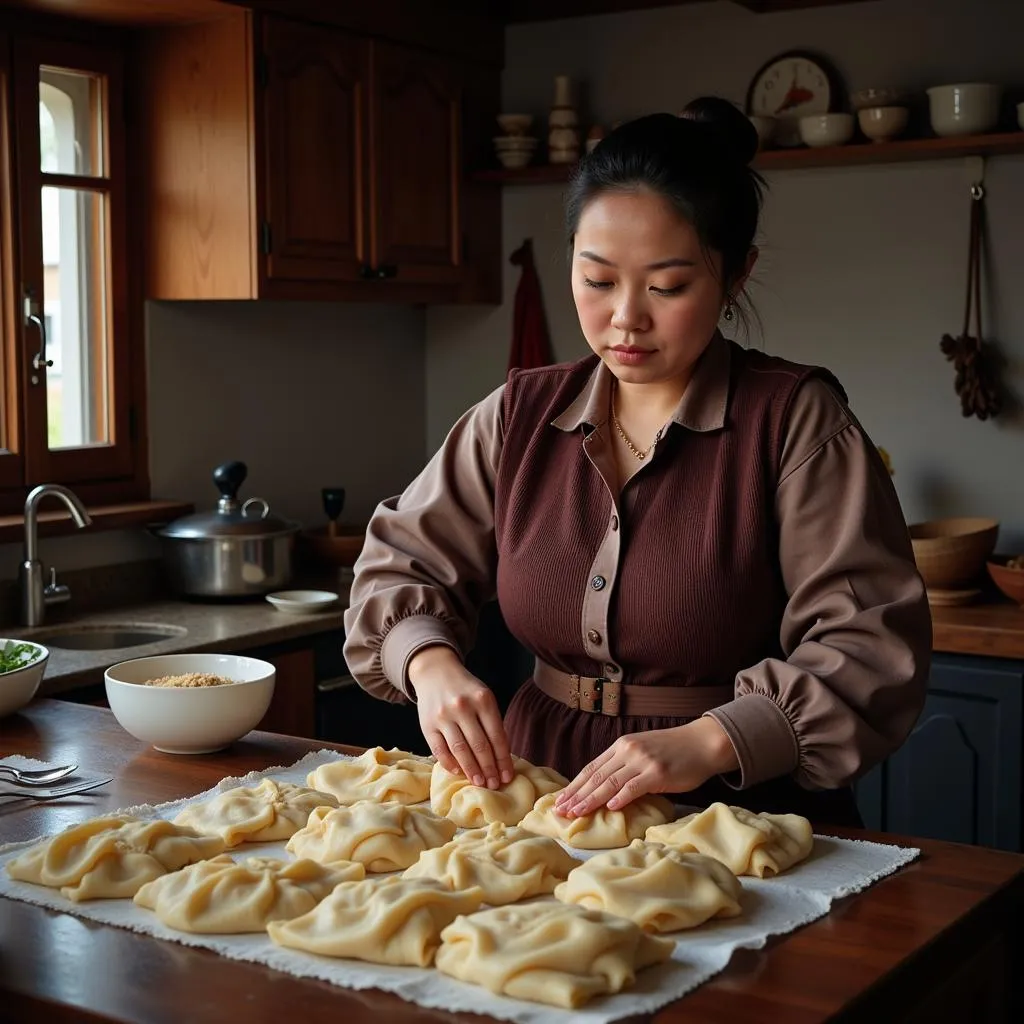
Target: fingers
(469, 737)
(570, 794)
(439, 748)
(462, 750)
(615, 778)
(494, 727)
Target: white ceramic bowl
(882, 123)
(826, 129)
(19, 686)
(515, 158)
(971, 108)
(765, 127)
(515, 124)
(302, 602)
(190, 720)
(1020, 115)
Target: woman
(698, 542)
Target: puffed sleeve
(429, 561)
(856, 631)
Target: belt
(605, 697)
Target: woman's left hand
(662, 761)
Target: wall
(862, 269)
(307, 394)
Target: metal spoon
(36, 777)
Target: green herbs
(14, 655)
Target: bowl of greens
(22, 664)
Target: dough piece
(382, 837)
(389, 776)
(222, 896)
(661, 889)
(747, 843)
(507, 863)
(266, 813)
(602, 830)
(111, 857)
(383, 920)
(475, 806)
(548, 952)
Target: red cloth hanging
(531, 345)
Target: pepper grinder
(334, 501)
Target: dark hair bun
(728, 128)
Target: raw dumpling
(222, 896)
(390, 776)
(382, 837)
(507, 863)
(548, 952)
(475, 806)
(747, 843)
(111, 857)
(383, 920)
(661, 889)
(265, 813)
(602, 830)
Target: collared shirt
(855, 632)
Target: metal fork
(36, 777)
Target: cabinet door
(959, 775)
(415, 166)
(314, 104)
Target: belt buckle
(593, 698)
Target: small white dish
(302, 602)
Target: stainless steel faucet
(34, 596)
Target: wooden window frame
(116, 472)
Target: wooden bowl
(341, 548)
(1009, 580)
(951, 553)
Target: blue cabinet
(960, 775)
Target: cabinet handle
(387, 270)
(338, 683)
(39, 360)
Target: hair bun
(729, 128)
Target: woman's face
(647, 296)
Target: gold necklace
(641, 455)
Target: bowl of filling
(22, 664)
(190, 703)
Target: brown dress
(761, 546)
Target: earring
(728, 314)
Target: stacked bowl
(515, 148)
(880, 113)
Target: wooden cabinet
(287, 159)
(959, 776)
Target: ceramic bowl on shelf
(826, 129)
(1007, 572)
(880, 124)
(190, 719)
(26, 663)
(515, 124)
(765, 128)
(1020, 115)
(951, 553)
(863, 99)
(970, 108)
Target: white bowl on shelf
(1020, 115)
(880, 124)
(826, 129)
(302, 602)
(19, 685)
(513, 159)
(970, 108)
(190, 720)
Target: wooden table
(940, 940)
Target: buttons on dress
(615, 523)
(594, 637)
(598, 582)
(611, 669)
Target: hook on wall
(974, 167)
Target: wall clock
(790, 86)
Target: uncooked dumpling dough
(383, 837)
(222, 896)
(506, 862)
(111, 857)
(548, 952)
(383, 920)
(475, 806)
(390, 776)
(266, 813)
(602, 830)
(748, 843)
(661, 889)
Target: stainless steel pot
(240, 549)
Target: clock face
(788, 88)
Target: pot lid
(251, 518)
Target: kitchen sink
(107, 638)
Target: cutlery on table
(36, 777)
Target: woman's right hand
(460, 718)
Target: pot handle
(261, 501)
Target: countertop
(935, 941)
(993, 628)
(208, 626)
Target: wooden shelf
(853, 154)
